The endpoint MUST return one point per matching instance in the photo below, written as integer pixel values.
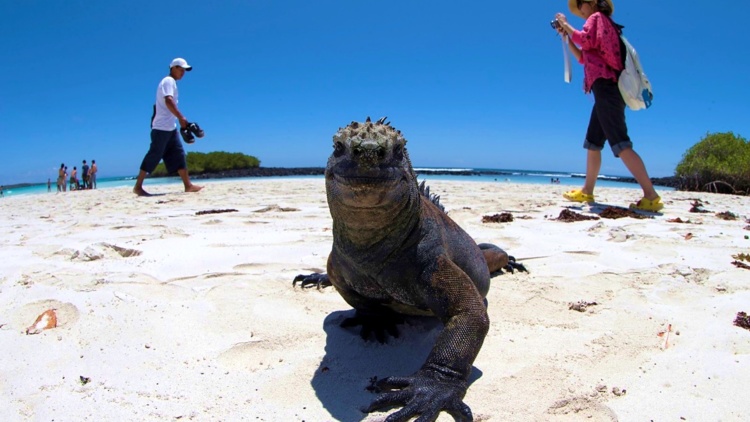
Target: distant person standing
(85, 175)
(49, 185)
(92, 174)
(61, 178)
(597, 47)
(165, 144)
(74, 179)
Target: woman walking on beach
(597, 47)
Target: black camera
(555, 24)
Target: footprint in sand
(104, 250)
(618, 234)
(251, 356)
(581, 408)
(263, 352)
(171, 232)
(699, 276)
(276, 208)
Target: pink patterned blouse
(600, 48)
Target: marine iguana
(396, 252)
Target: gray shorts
(165, 145)
(607, 119)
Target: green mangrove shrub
(720, 162)
(213, 162)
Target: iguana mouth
(369, 192)
(364, 181)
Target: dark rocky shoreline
(319, 171)
(263, 172)
(672, 182)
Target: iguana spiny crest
(372, 144)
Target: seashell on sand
(46, 320)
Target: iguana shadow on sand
(397, 253)
(343, 379)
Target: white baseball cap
(182, 63)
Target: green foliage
(213, 162)
(159, 171)
(720, 162)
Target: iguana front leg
(370, 314)
(374, 319)
(441, 383)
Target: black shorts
(607, 118)
(164, 145)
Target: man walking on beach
(165, 143)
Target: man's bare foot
(193, 188)
(140, 192)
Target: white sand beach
(168, 315)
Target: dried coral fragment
(505, 217)
(581, 305)
(742, 320)
(568, 216)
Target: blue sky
(471, 84)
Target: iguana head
(369, 166)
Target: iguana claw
(513, 265)
(315, 279)
(425, 393)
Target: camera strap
(567, 71)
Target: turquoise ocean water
(508, 176)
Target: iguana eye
(398, 151)
(338, 149)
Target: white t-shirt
(164, 119)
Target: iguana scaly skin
(396, 252)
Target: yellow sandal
(648, 205)
(576, 195)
